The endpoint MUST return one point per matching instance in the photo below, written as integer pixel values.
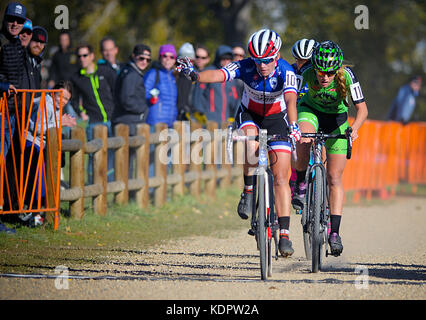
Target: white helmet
(303, 48)
(264, 43)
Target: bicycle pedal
(251, 232)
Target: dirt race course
(384, 257)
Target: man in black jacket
(94, 87)
(131, 107)
(64, 61)
(12, 72)
(13, 22)
(35, 51)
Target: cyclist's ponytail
(341, 84)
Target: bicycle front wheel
(316, 236)
(261, 227)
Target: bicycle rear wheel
(317, 236)
(261, 227)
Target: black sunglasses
(13, 19)
(83, 55)
(143, 58)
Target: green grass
(123, 228)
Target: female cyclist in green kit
(325, 108)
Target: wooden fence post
(195, 185)
(100, 169)
(77, 172)
(52, 172)
(122, 163)
(178, 154)
(142, 166)
(210, 160)
(161, 167)
(226, 180)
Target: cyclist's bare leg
(245, 205)
(303, 155)
(335, 166)
(303, 146)
(251, 151)
(280, 164)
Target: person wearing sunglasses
(131, 107)
(93, 99)
(26, 34)
(12, 63)
(161, 88)
(218, 101)
(325, 108)
(268, 102)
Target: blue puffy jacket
(165, 110)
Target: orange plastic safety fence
(385, 154)
(27, 181)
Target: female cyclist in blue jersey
(325, 107)
(268, 102)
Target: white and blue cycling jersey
(263, 95)
(301, 90)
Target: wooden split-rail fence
(199, 164)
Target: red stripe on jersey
(269, 109)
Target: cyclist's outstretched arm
(210, 76)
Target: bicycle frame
(316, 150)
(315, 218)
(264, 223)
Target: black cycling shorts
(274, 124)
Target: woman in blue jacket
(161, 89)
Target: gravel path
(384, 257)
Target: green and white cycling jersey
(328, 100)
(325, 109)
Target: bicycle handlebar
(235, 136)
(275, 137)
(323, 136)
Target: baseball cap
(16, 9)
(186, 50)
(39, 34)
(28, 25)
(167, 48)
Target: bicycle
(315, 214)
(264, 220)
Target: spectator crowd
(104, 91)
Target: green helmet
(327, 56)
